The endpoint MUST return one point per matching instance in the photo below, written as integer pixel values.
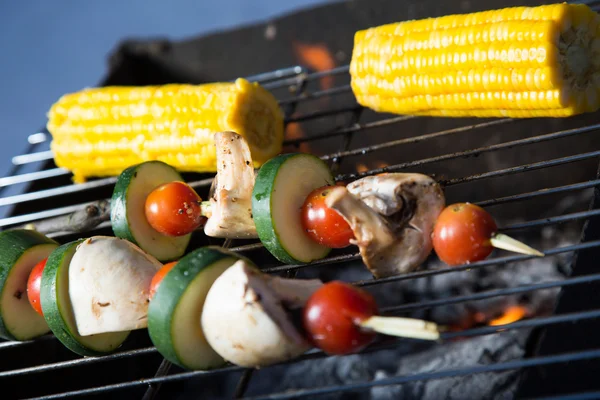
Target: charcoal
(485, 350)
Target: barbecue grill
(540, 178)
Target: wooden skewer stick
(403, 327)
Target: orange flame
(318, 57)
(360, 167)
(512, 314)
(294, 131)
(381, 164)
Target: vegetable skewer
(391, 216)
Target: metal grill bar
(578, 396)
(537, 193)
(502, 366)
(33, 176)
(473, 152)
(524, 168)
(541, 321)
(32, 157)
(414, 139)
(355, 128)
(76, 362)
(489, 294)
(479, 264)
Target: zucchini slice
(281, 187)
(58, 311)
(128, 214)
(20, 251)
(176, 308)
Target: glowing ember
(318, 57)
(512, 314)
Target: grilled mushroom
(231, 199)
(392, 216)
(246, 317)
(109, 280)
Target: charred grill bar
(539, 177)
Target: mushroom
(109, 281)
(392, 216)
(246, 317)
(230, 209)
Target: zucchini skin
(168, 294)
(118, 201)
(119, 217)
(50, 307)
(262, 206)
(13, 243)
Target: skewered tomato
(33, 286)
(323, 224)
(332, 314)
(173, 209)
(157, 279)
(462, 234)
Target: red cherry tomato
(33, 286)
(158, 277)
(173, 209)
(462, 234)
(323, 224)
(331, 316)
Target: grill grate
(306, 93)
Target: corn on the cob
(101, 131)
(516, 62)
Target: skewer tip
(502, 241)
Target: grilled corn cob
(101, 131)
(516, 62)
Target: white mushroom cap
(109, 283)
(245, 320)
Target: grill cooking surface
(537, 177)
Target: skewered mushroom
(109, 280)
(246, 317)
(231, 199)
(392, 216)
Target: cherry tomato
(462, 234)
(323, 224)
(331, 316)
(173, 209)
(158, 277)
(33, 286)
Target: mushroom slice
(392, 216)
(246, 317)
(231, 200)
(109, 281)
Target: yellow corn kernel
(102, 131)
(519, 62)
